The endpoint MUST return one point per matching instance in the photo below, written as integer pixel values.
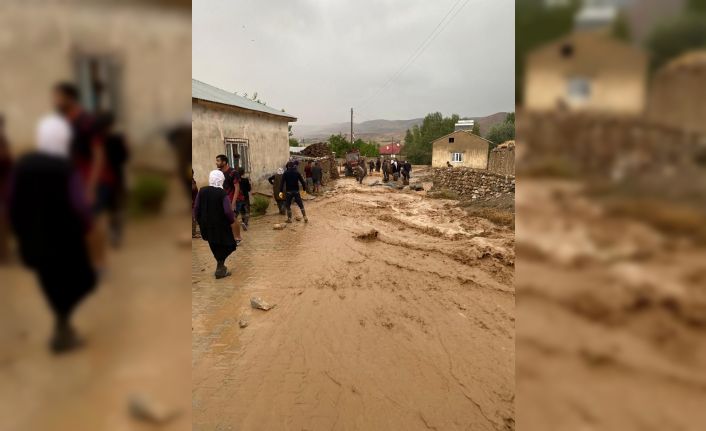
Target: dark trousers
(221, 251)
(280, 206)
(297, 198)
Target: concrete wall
(267, 135)
(502, 159)
(38, 40)
(617, 73)
(474, 149)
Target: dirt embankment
(394, 311)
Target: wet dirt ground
(412, 329)
(137, 343)
(611, 328)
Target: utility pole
(351, 125)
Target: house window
(456, 157)
(98, 78)
(579, 89)
(238, 146)
(451, 140)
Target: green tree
(339, 145)
(293, 142)
(676, 37)
(418, 141)
(621, 28)
(476, 129)
(502, 132)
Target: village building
(678, 93)
(587, 71)
(391, 151)
(461, 148)
(123, 56)
(225, 123)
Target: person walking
(308, 176)
(289, 190)
(385, 170)
(214, 213)
(231, 186)
(317, 175)
(377, 165)
(371, 164)
(276, 181)
(243, 207)
(52, 226)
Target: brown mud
(410, 327)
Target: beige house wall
(152, 46)
(617, 73)
(474, 149)
(267, 136)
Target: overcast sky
(319, 58)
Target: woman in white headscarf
(213, 213)
(51, 219)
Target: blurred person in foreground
(5, 166)
(89, 158)
(51, 228)
(214, 214)
(114, 188)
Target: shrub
(148, 194)
(259, 205)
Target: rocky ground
(611, 330)
(392, 310)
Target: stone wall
(502, 159)
(473, 183)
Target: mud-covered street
(412, 329)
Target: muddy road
(412, 329)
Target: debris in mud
(259, 303)
(147, 410)
(279, 226)
(243, 322)
(416, 187)
(368, 236)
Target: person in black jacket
(290, 184)
(52, 217)
(246, 188)
(276, 181)
(214, 213)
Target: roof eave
(240, 108)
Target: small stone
(279, 226)
(243, 322)
(259, 303)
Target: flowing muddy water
(612, 313)
(410, 329)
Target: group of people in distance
(217, 206)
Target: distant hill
(379, 130)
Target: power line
(420, 49)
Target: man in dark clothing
(231, 185)
(51, 228)
(214, 214)
(386, 170)
(244, 207)
(117, 154)
(372, 167)
(308, 176)
(317, 174)
(290, 184)
(377, 165)
(276, 181)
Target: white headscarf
(280, 171)
(54, 136)
(216, 179)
